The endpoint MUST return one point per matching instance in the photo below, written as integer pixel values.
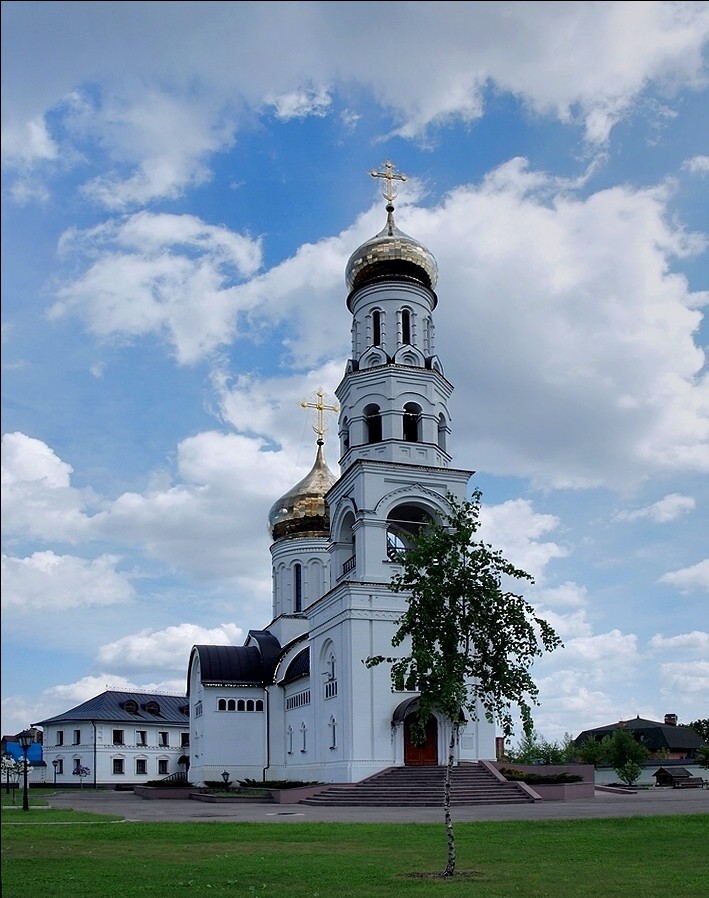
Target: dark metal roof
(299, 667)
(240, 665)
(116, 706)
(653, 734)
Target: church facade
(296, 700)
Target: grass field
(50, 853)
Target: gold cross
(321, 408)
(389, 193)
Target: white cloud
(696, 641)
(689, 679)
(164, 650)
(689, 579)
(667, 509)
(301, 104)
(46, 582)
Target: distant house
(11, 746)
(121, 738)
(662, 739)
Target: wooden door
(425, 755)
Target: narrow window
(221, 704)
(298, 577)
(163, 739)
(241, 705)
(77, 737)
(412, 418)
(162, 767)
(376, 327)
(231, 705)
(250, 705)
(118, 737)
(333, 733)
(60, 737)
(141, 766)
(185, 740)
(141, 737)
(442, 432)
(289, 740)
(259, 704)
(303, 737)
(60, 766)
(118, 766)
(373, 420)
(405, 326)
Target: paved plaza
(644, 803)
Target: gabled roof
(653, 734)
(135, 707)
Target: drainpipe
(268, 735)
(93, 724)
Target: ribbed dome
(303, 510)
(391, 253)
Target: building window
(152, 708)
(231, 705)
(373, 421)
(118, 737)
(333, 733)
(221, 704)
(289, 740)
(376, 327)
(141, 766)
(198, 709)
(259, 704)
(298, 582)
(297, 700)
(442, 432)
(118, 766)
(141, 737)
(241, 705)
(60, 765)
(412, 420)
(184, 740)
(60, 737)
(250, 705)
(163, 739)
(405, 326)
(77, 737)
(162, 766)
(303, 738)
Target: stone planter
(151, 792)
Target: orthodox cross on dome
(320, 407)
(390, 175)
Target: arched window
(259, 704)
(345, 435)
(303, 737)
(250, 705)
(231, 705)
(412, 421)
(442, 429)
(373, 420)
(333, 732)
(298, 584)
(405, 326)
(376, 328)
(241, 705)
(289, 740)
(221, 704)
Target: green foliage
(170, 784)
(472, 641)
(276, 784)
(702, 727)
(702, 757)
(591, 751)
(539, 778)
(535, 749)
(622, 747)
(629, 772)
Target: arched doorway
(421, 755)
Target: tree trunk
(450, 866)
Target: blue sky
(182, 187)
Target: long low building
(117, 739)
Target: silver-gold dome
(302, 511)
(391, 254)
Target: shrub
(276, 784)
(541, 779)
(170, 784)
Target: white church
(296, 700)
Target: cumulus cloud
(689, 579)
(164, 650)
(696, 641)
(667, 509)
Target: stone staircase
(471, 784)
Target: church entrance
(425, 755)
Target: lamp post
(26, 738)
(225, 777)
(55, 764)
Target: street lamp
(26, 738)
(225, 777)
(55, 764)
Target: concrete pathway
(644, 803)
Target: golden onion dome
(303, 510)
(391, 254)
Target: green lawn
(49, 853)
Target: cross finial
(321, 408)
(390, 175)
